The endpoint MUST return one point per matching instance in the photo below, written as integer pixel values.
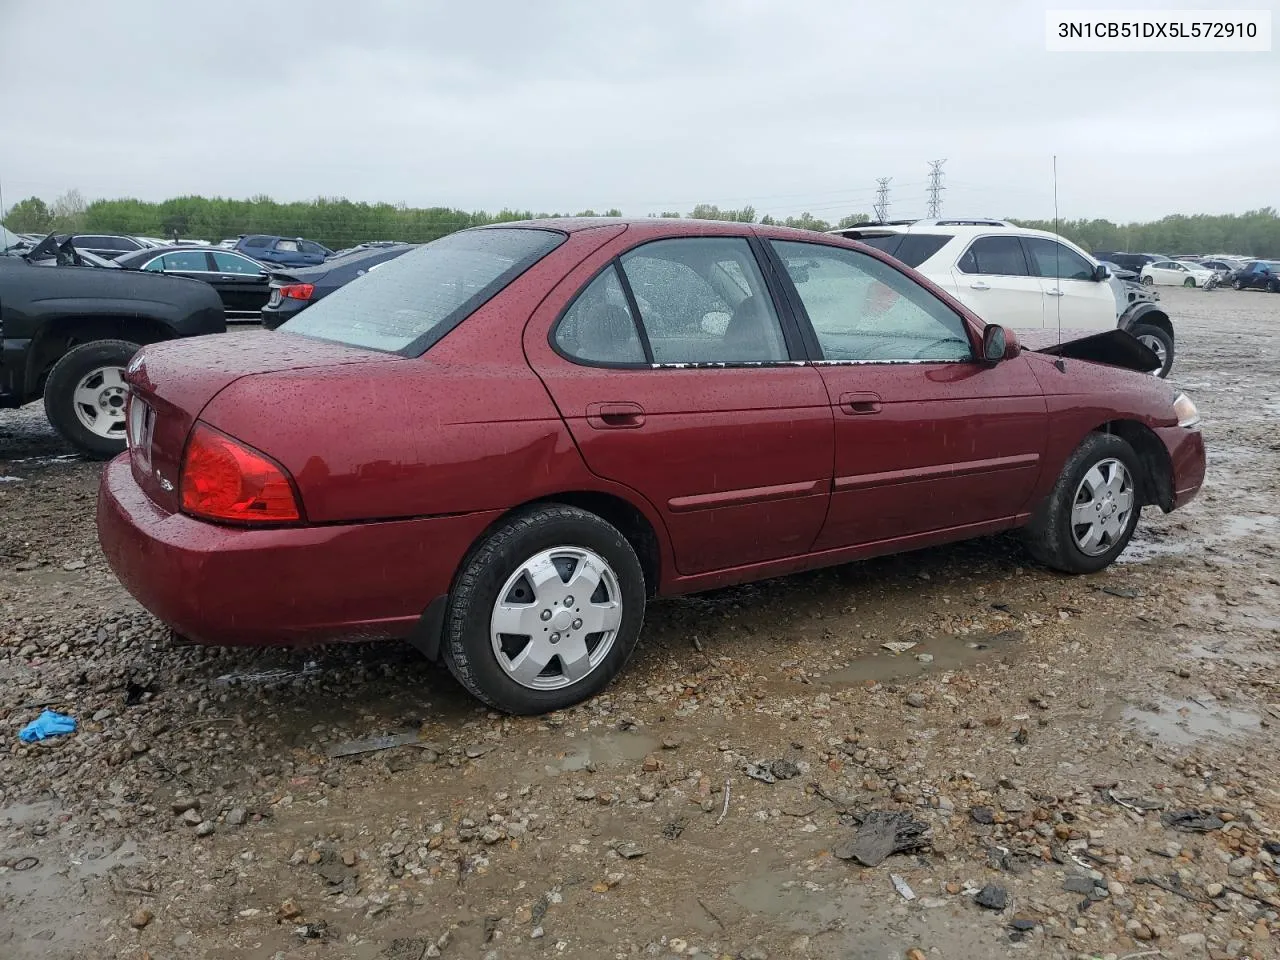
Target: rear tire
(1056, 539)
(523, 575)
(1158, 340)
(84, 396)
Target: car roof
(668, 227)
(950, 226)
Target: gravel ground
(1050, 733)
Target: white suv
(1017, 277)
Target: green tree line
(338, 222)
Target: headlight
(1185, 410)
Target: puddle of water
(608, 749)
(25, 814)
(948, 654)
(1185, 722)
(1140, 551)
(1239, 527)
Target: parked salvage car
(286, 251)
(241, 282)
(293, 290)
(69, 331)
(1019, 277)
(1258, 275)
(487, 447)
(1177, 273)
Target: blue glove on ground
(48, 724)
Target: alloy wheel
(99, 402)
(1103, 505)
(556, 618)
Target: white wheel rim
(556, 618)
(1156, 346)
(99, 402)
(1103, 504)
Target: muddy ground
(1049, 745)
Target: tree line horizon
(337, 222)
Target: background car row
(1153, 269)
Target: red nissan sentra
(500, 445)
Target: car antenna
(1060, 363)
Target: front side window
(863, 309)
(187, 262)
(409, 303)
(230, 263)
(995, 256)
(704, 300)
(257, 241)
(599, 327)
(1052, 259)
(155, 265)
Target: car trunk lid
(171, 383)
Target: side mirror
(999, 344)
(1100, 273)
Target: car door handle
(979, 286)
(615, 416)
(1055, 292)
(859, 404)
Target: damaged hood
(1115, 348)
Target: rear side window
(599, 326)
(409, 303)
(288, 246)
(703, 300)
(994, 256)
(912, 249)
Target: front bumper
(232, 586)
(1187, 456)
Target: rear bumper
(230, 586)
(1186, 453)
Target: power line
(882, 198)
(935, 188)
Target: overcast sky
(790, 105)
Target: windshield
(409, 303)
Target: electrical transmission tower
(882, 198)
(935, 188)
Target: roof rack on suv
(948, 222)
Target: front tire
(1089, 518)
(1161, 343)
(1239, 284)
(546, 611)
(84, 396)
(1189, 282)
(1148, 281)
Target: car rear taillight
(224, 479)
(298, 291)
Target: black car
(241, 282)
(70, 330)
(1258, 275)
(1130, 261)
(295, 290)
(107, 246)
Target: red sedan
(501, 445)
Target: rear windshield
(912, 249)
(409, 303)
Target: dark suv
(107, 246)
(286, 251)
(1259, 275)
(1130, 261)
